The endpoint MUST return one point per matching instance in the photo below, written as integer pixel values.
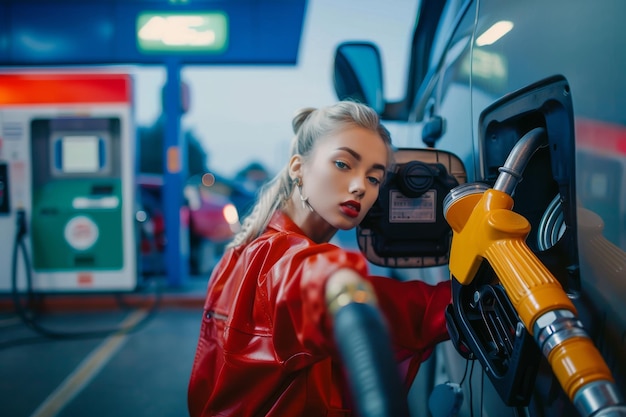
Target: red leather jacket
(266, 346)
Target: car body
(471, 96)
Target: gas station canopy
(72, 32)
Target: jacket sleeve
(298, 302)
(415, 316)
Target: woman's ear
(295, 166)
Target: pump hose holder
(483, 325)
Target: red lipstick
(351, 208)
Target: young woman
(266, 346)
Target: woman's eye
(373, 180)
(341, 165)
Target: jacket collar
(280, 222)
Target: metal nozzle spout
(511, 171)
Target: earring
(303, 199)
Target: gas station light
(182, 32)
(230, 214)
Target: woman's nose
(357, 185)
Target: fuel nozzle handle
(485, 227)
(364, 345)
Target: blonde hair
(309, 125)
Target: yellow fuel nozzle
(484, 227)
(496, 233)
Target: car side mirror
(358, 74)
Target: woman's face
(341, 178)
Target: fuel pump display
(69, 168)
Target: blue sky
(243, 114)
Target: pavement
(100, 354)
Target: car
(482, 76)
(211, 219)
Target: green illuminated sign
(182, 32)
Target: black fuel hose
(363, 341)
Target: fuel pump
(67, 178)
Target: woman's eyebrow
(380, 167)
(357, 156)
(352, 152)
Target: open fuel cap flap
(406, 226)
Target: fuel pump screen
(79, 154)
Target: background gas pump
(67, 178)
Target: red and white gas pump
(67, 181)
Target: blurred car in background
(212, 221)
(152, 226)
